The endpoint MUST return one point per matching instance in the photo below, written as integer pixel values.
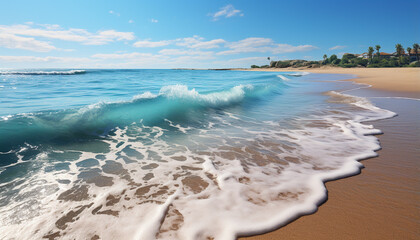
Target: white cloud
(209, 44)
(121, 55)
(252, 42)
(16, 42)
(41, 59)
(47, 62)
(263, 45)
(189, 58)
(50, 26)
(153, 20)
(195, 42)
(72, 34)
(242, 62)
(198, 43)
(191, 52)
(114, 13)
(227, 12)
(111, 35)
(150, 44)
(184, 52)
(130, 21)
(337, 47)
(188, 41)
(287, 48)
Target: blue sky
(199, 34)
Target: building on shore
(385, 55)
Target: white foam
(178, 126)
(5, 118)
(298, 74)
(235, 94)
(246, 192)
(405, 98)
(145, 95)
(283, 77)
(69, 72)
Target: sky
(197, 34)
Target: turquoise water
(145, 154)
(94, 101)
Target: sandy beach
(383, 201)
(396, 81)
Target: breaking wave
(298, 74)
(69, 72)
(179, 163)
(173, 101)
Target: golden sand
(382, 202)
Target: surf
(69, 72)
(172, 102)
(181, 155)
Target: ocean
(173, 154)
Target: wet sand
(382, 202)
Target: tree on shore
(334, 59)
(408, 52)
(370, 53)
(349, 60)
(377, 49)
(399, 48)
(416, 50)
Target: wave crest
(70, 72)
(298, 74)
(181, 92)
(172, 102)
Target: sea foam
(69, 72)
(202, 168)
(298, 74)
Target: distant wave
(70, 72)
(298, 74)
(283, 77)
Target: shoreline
(402, 82)
(365, 206)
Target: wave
(283, 78)
(363, 103)
(250, 171)
(298, 74)
(69, 72)
(291, 190)
(173, 102)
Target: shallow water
(172, 154)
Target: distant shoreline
(402, 81)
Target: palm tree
(408, 52)
(377, 49)
(399, 48)
(325, 58)
(370, 53)
(416, 50)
